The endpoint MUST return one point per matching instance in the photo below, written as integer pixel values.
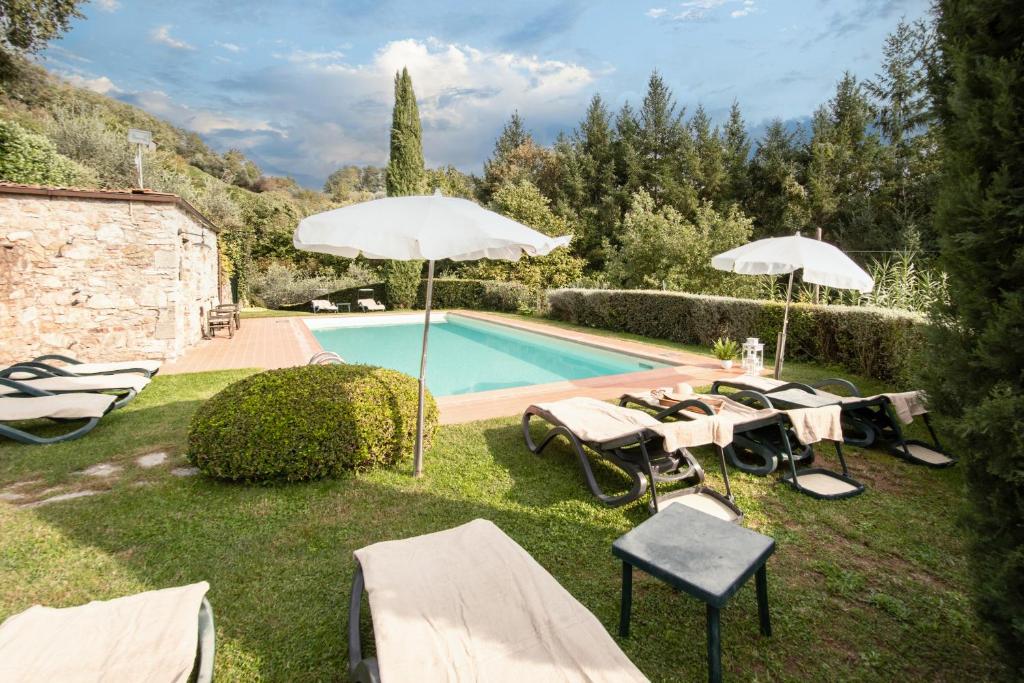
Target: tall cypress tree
(975, 367)
(405, 173)
(405, 176)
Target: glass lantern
(753, 356)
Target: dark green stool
(701, 555)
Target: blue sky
(305, 87)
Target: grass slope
(873, 588)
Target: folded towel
(816, 424)
(151, 636)
(469, 604)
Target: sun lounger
(125, 386)
(764, 434)
(164, 635)
(149, 368)
(645, 450)
(323, 305)
(368, 305)
(866, 419)
(469, 604)
(37, 404)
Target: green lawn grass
(874, 588)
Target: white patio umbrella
(822, 263)
(417, 228)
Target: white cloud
(230, 47)
(311, 57)
(699, 10)
(108, 5)
(204, 121)
(749, 7)
(100, 84)
(336, 112)
(162, 35)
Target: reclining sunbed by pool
(644, 449)
(125, 385)
(764, 434)
(71, 366)
(469, 604)
(160, 636)
(36, 404)
(866, 419)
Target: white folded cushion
(151, 636)
(64, 406)
(469, 604)
(150, 366)
(121, 381)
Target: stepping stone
(61, 497)
(185, 471)
(103, 469)
(11, 496)
(151, 459)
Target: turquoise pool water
(468, 355)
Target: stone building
(103, 274)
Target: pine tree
(974, 365)
(778, 198)
(736, 153)
(626, 150)
(664, 148)
(708, 175)
(905, 115)
(405, 176)
(843, 173)
(595, 155)
(516, 158)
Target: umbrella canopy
(821, 262)
(421, 228)
(425, 228)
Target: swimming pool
(468, 355)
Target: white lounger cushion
(113, 366)
(64, 406)
(121, 381)
(469, 604)
(370, 305)
(151, 636)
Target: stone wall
(102, 278)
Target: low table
(348, 306)
(700, 555)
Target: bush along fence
(483, 295)
(868, 341)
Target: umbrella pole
(417, 460)
(780, 347)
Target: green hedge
(484, 295)
(308, 422)
(867, 341)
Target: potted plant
(725, 351)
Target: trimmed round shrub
(308, 422)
